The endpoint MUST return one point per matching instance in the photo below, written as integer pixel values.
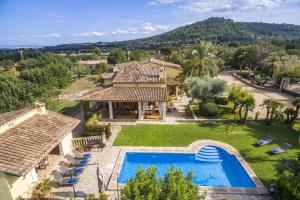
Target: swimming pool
(211, 166)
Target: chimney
(162, 73)
(40, 107)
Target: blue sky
(50, 22)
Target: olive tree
(146, 185)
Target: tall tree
(6, 64)
(116, 56)
(203, 61)
(273, 109)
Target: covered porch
(117, 103)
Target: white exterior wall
(14, 186)
(65, 146)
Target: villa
(137, 90)
(91, 64)
(27, 137)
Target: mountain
(218, 30)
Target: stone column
(162, 110)
(176, 91)
(111, 116)
(140, 110)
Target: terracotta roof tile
(108, 75)
(23, 146)
(161, 62)
(129, 94)
(137, 73)
(9, 116)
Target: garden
(243, 138)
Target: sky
(52, 22)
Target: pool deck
(192, 148)
(110, 161)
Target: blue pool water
(211, 166)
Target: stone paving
(110, 159)
(259, 94)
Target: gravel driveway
(259, 95)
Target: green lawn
(224, 112)
(68, 107)
(243, 138)
(87, 82)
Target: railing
(82, 142)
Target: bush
(209, 109)
(92, 126)
(103, 196)
(108, 132)
(245, 74)
(221, 100)
(146, 185)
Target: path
(259, 95)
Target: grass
(87, 82)
(224, 112)
(243, 138)
(68, 107)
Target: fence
(81, 142)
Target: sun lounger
(265, 141)
(62, 181)
(75, 162)
(283, 148)
(70, 172)
(82, 155)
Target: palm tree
(273, 109)
(246, 103)
(203, 61)
(296, 103)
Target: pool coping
(192, 148)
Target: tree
(166, 51)
(146, 186)
(116, 56)
(204, 89)
(138, 55)
(7, 64)
(79, 70)
(17, 93)
(246, 103)
(97, 51)
(273, 109)
(50, 76)
(234, 96)
(203, 61)
(288, 179)
(296, 103)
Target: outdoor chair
(265, 141)
(283, 148)
(70, 172)
(75, 162)
(81, 155)
(63, 181)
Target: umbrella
(100, 178)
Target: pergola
(141, 95)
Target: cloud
(91, 34)
(157, 2)
(146, 28)
(229, 5)
(152, 3)
(53, 35)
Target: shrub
(245, 74)
(92, 126)
(103, 196)
(221, 100)
(209, 109)
(146, 185)
(108, 132)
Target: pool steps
(211, 154)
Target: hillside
(218, 30)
